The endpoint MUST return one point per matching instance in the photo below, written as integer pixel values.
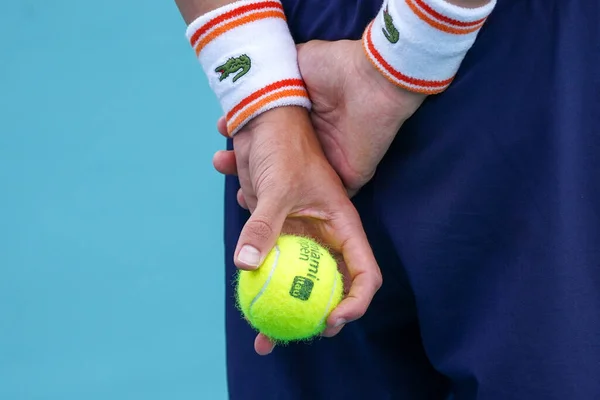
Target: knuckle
(360, 311)
(259, 229)
(377, 280)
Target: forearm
(469, 3)
(192, 9)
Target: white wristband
(420, 44)
(250, 59)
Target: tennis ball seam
(328, 306)
(267, 281)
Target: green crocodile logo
(390, 31)
(233, 65)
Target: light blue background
(111, 276)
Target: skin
(469, 3)
(289, 186)
(347, 97)
(192, 9)
(297, 171)
(342, 124)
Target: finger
(263, 345)
(222, 127)
(241, 199)
(362, 268)
(331, 332)
(224, 162)
(352, 192)
(260, 232)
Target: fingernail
(249, 256)
(339, 323)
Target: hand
(286, 180)
(356, 111)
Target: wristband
(419, 44)
(247, 52)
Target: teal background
(111, 254)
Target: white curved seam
(329, 302)
(264, 287)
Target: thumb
(260, 233)
(222, 127)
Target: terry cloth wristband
(250, 59)
(419, 44)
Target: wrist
(278, 121)
(469, 3)
(237, 46)
(419, 44)
(286, 130)
(405, 101)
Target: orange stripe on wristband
(434, 85)
(446, 19)
(266, 90)
(232, 126)
(438, 25)
(236, 23)
(238, 12)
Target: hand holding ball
(290, 296)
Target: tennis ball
(289, 297)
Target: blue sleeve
(329, 20)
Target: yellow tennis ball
(290, 296)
